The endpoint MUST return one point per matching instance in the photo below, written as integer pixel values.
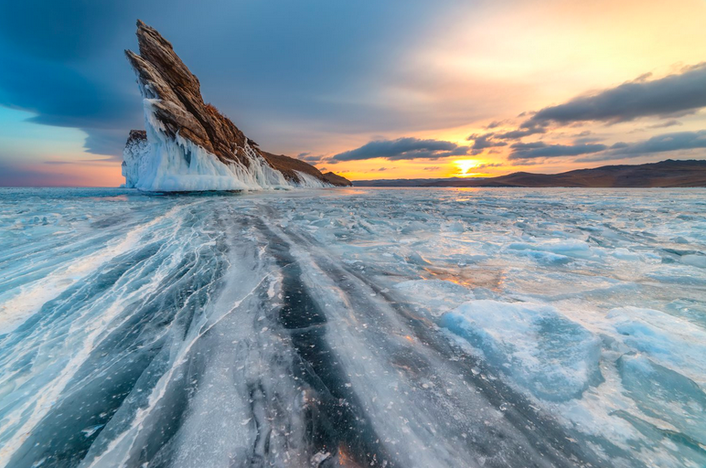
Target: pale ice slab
(535, 345)
(669, 340)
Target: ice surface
(436, 296)
(666, 395)
(664, 338)
(534, 344)
(353, 327)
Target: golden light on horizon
(465, 165)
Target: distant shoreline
(664, 174)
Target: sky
(368, 89)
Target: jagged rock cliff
(188, 145)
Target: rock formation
(189, 145)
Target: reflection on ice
(353, 327)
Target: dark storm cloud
(63, 60)
(657, 144)
(106, 141)
(403, 148)
(59, 31)
(54, 65)
(672, 95)
(542, 150)
(62, 95)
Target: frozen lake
(353, 327)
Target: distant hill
(667, 173)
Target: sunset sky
(369, 89)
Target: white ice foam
(176, 164)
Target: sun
(465, 165)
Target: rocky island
(188, 145)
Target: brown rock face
(335, 179)
(177, 104)
(136, 136)
(287, 166)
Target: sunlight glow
(465, 165)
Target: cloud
(403, 148)
(481, 142)
(431, 168)
(542, 150)
(581, 141)
(521, 132)
(485, 141)
(667, 142)
(676, 94)
(63, 61)
(657, 144)
(487, 166)
(55, 66)
(669, 123)
(311, 158)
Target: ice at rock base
(166, 164)
(354, 327)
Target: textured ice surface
(534, 345)
(436, 296)
(354, 327)
(664, 338)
